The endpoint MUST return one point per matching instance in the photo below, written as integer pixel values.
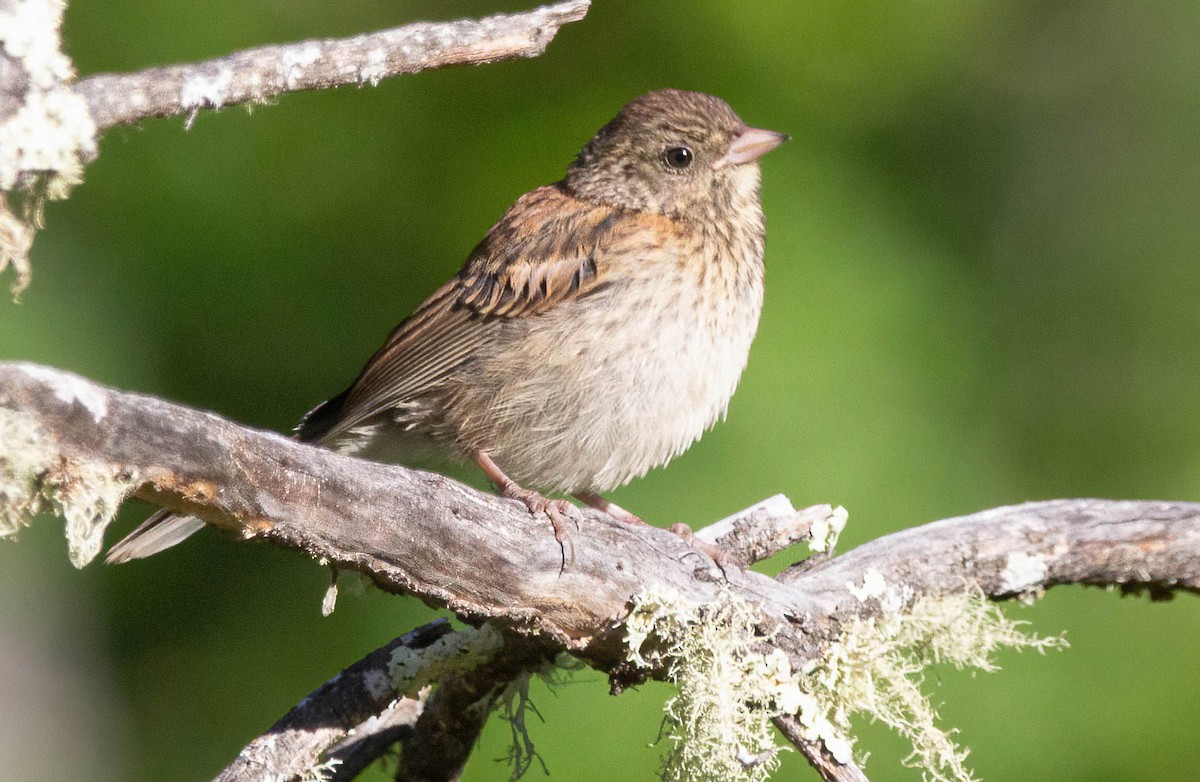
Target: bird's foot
(721, 558)
(594, 500)
(558, 511)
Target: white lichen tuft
(25, 455)
(1023, 573)
(45, 143)
(823, 535)
(729, 689)
(51, 136)
(412, 669)
(209, 90)
(375, 69)
(322, 772)
(29, 32)
(875, 669)
(295, 60)
(873, 586)
(33, 475)
(88, 497)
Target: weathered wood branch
(84, 447)
(482, 556)
(361, 714)
(50, 124)
(363, 691)
(1011, 551)
(261, 74)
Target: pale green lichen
(465, 649)
(823, 535)
(52, 133)
(25, 455)
(45, 143)
(875, 670)
(322, 772)
(729, 689)
(34, 477)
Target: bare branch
(1019, 549)
(260, 74)
(49, 125)
(374, 738)
(482, 556)
(487, 558)
(816, 754)
(84, 447)
(359, 715)
(298, 740)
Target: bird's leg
(594, 500)
(558, 511)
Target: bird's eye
(678, 157)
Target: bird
(598, 330)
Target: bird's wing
(543, 252)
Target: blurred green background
(983, 288)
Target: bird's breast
(600, 390)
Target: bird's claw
(558, 511)
(720, 557)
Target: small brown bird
(597, 331)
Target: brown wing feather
(540, 254)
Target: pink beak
(752, 144)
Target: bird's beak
(752, 144)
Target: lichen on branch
(875, 669)
(730, 685)
(34, 477)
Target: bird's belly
(585, 398)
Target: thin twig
(261, 74)
(769, 527)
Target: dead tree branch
(50, 124)
(441, 741)
(264, 73)
(363, 691)
(83, 448)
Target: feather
(541, 254)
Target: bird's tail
(318, 423)
(162, 530)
